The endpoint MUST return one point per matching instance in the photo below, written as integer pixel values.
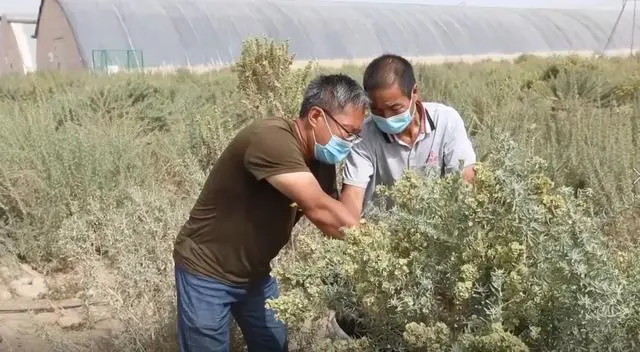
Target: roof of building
(210, 32)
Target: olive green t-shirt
(240, 221)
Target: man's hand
(469, 174)
(326, 213)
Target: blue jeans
(203, 309)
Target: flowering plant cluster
(509, 263)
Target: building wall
(10, 59)
(57, 46)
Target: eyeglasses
(352, 137)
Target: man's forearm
(331, 216)
(352, 198)
(352, 205)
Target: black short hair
(333, 93)
(387, 69)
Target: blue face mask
(333, 152)
(394, 124)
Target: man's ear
(314, 116)
(416, 91)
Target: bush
(97, 174)
(99, 181)
(511, 263)
(268, 84)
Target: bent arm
(326, 213)
(352, 197)
(356, 176)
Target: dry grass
(100, 171)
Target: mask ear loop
(324, 117)
(313, 132)
(326, 121)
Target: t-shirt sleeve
(273, 151)
(358, 166)
(457, 147)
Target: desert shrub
(89, 143)
(105, 191)
(268, 84)
(510, 263)
(97, 174)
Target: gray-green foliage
(97, 174)
(267, 83)
(512, 263)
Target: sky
(31, 6)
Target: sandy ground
(38, 312)
(29, 312)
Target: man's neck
(307, 149)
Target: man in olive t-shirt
(271, 173)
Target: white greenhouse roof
(210, 32)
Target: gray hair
(333, 93)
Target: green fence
(111, 61)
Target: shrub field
(97, 173)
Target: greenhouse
(179, 33)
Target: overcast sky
(31, 6)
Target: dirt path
(32, 320)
